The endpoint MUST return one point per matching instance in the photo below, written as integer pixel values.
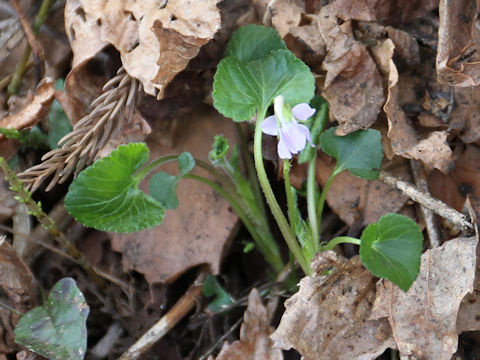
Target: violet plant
(258, 71)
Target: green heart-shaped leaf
(253, 42)
(186, 163)
(360, 152)
(106, 196)
(163, 188)
(240, 88)
(392, 249)
(57, 330)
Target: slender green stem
(323, 196)
(250, 167)
(157, 162)
(270, 197)
(289, 193)
(340, 240)
(311, 204)
(270, 251)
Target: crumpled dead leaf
(353, 85)
(328, 317)
(254, 343)
(392, 12)
(424, 319)
(458, 58)
(16, 285)
(156, 39)
(32, 113)
(197, 231)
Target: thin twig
(27, 29)
(221, 339)
(428, 215)
(429, 202)
(80, 146)
(169, 320)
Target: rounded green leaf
(240, 88)
(163, 188)
(253, 42)
(106, 196)
(57, 330)
(186, 163)
(360, 152)
(392, 249)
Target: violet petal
(303, 111)
(282, 149)
(306, 132)
(269, 125)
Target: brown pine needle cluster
(79, 147)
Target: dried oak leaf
(198, 230)
(254, 343)
(155, 40)
(33, 112)
(423, 320)
(16, 290)
(458, 58)
(353, 85)
(433, 150)
(391, 12)
(328, 317)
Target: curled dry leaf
(254, 343)
(16, 285)
(328, 317)
(458, 58)
(353, 85)
(197, 231)
(392, 12)
(33, 112)
(423, 320)
(433, 150)
(156, 39)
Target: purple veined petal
(269, 125)
(303, 111)
(282, 149)
(305, 131)
(294, 138)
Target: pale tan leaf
(198, 230)
(254, 343)
(156, 39)
(32, 112)
(458, 58)
(424, 319)
(328, 317)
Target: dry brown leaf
(393, 12)
(16, 290)
(424, 319)
(433, 150)
(353, 85)
(458, 58)
(197, 231)
(32, 112)
(465, 117)
(254, 343)
(468, 318)
(156, 39)
(328, 317)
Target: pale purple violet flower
(293, 136)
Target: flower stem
(290, 198)
(311, 204)
(340, 240)
(270, 197)
(269, 250)
(323, 196)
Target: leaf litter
(377, 64)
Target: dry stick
(80, 146)
(169, 320)
(32, 41)
(221, 339)
(426, 200)
(428, 216)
